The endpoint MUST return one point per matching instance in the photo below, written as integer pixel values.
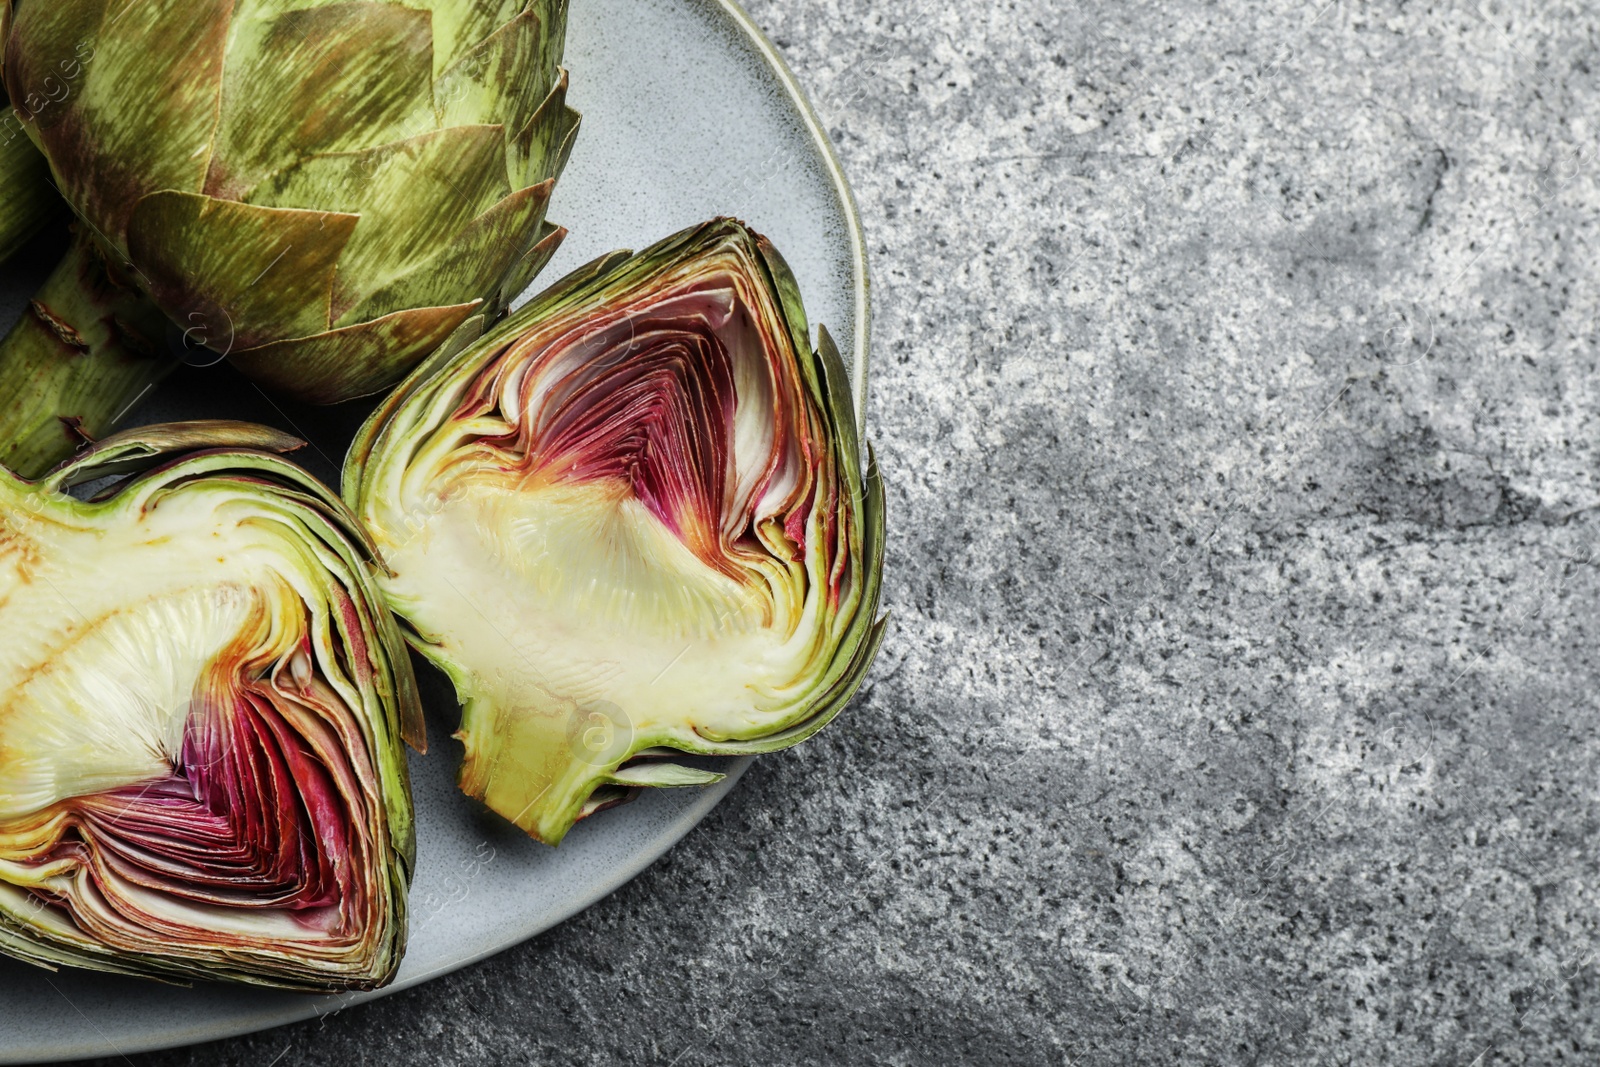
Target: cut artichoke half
(628, 523)
(202, 705)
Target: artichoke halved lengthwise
(202, 706)
(630, 522)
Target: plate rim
(691, 816)
(862, 310)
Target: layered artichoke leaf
(630, 522)
(202, 705)
(326, 188)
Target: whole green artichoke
(323, 191)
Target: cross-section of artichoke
(630, 522)
(323, 189)
(202, 703)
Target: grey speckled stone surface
(1236, 392)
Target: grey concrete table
(1236, 391)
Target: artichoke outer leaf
(475, 259)
(27, 198)
(460, 169)
(138, 449)
(490, 83)
(353, 360)
(631, 518)
(546, 242)
(112, 141)
(542, 147)
(553, 17)
(306, 81)
(81, 355)
(459, 27)
(662, 776)
(269, 271)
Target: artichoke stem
(27, 199)
(535, 761)
(83, 352)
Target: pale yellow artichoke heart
(555, 595)
(109, 625)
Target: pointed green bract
(630, 521)
(204, 775)
(307, 81)
(458, 27)
(244, 272)
(482, 251)
(460, 168)
(546, 240)
(488, 83)
(365, 352)
(545, 141)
